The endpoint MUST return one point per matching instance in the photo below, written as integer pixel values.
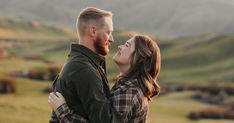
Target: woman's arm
(124, 101)
(63, 112)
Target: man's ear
(92, 31)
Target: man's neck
(87, 43)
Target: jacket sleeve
(89, 87)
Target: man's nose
(111, 39)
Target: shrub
(220, 113)
(211, 89)
(7, 85)
(210, 98)
(48, 90)
(53, 71)
(39, 74)
(48, 73)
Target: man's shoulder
(77, 65)
(79, 68)
(80, 61)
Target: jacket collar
(98, 59)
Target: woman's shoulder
(130, 87)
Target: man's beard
(99, 47)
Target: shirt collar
(125, 84)
(98, 59)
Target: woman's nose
(119, 47)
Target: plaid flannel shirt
(127, 98)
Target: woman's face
(123, 55)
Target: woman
(139, 62)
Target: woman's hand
(56, 100)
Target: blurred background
(196, 38)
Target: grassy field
(206, 59)
(29, 105)
(175, 107)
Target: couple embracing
(81, 90)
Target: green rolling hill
(197, 59)
(203, 58)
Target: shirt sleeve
(66, 115)
(90, 90)
(124, 101)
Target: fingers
(55, 100)
(52, 98)
(59, 95)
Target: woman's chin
(115, 59)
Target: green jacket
(83, 83)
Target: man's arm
(89, 87)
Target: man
(82, 81)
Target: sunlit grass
(30, 105)
(175, 107)
(27, 105)
(17, 64)
(24, 109)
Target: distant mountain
(31, 30)
(159, 17)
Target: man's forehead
(107, 24)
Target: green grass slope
(205, 58)
(202, 58)
(188, 59)
(29, 105)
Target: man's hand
(55, 100)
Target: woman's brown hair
(145, 65)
